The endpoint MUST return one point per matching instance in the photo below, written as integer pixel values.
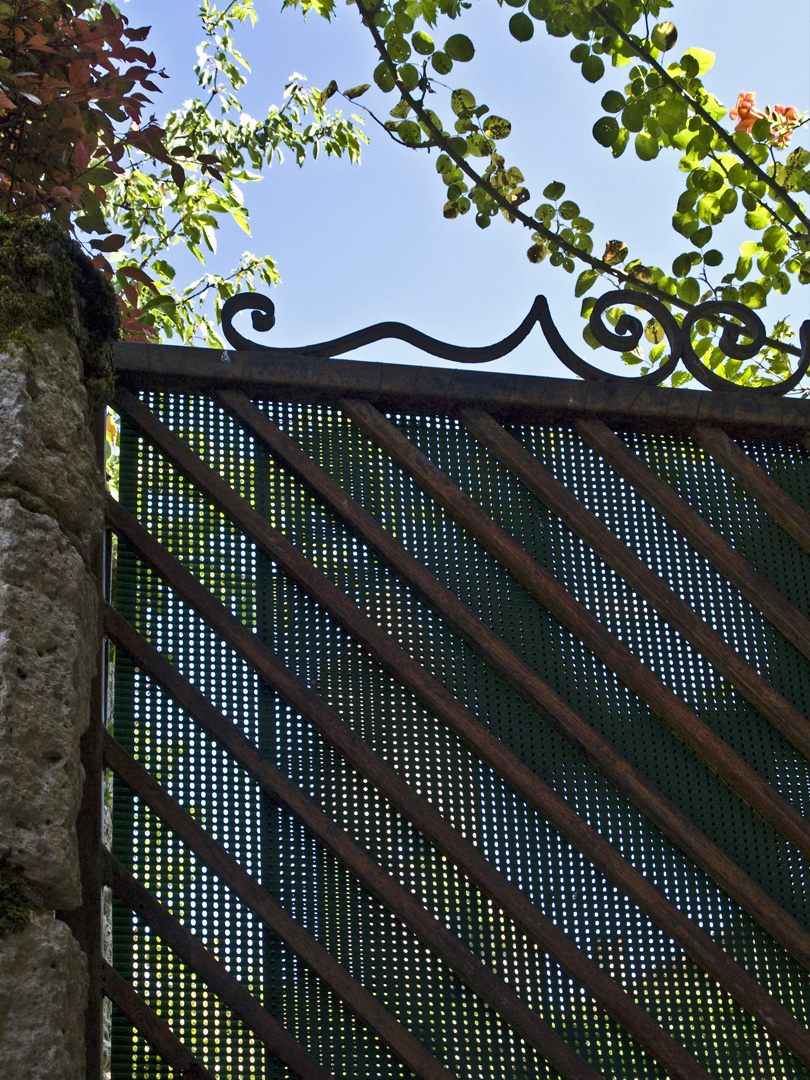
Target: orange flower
(786, 113)
(783, 118)
(745, 112)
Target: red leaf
(138, 274)
(110, 243)
(178, 175)
(101, 264)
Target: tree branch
(529, 222)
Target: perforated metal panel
(599, 906)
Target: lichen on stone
(47, 281)
(15, 901)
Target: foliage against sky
(179, 189)
(78, 142)
(743, 163)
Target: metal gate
(460, 725)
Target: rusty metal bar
(364, 1005)
(488, 986)
(278, 1041)
(692, 939)
(756, 482)
(689, 727)
(731, 565)
(156, 1032)
(527, 683)
(86, 922)
(526, 398)
(647, 583)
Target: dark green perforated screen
(374, 945)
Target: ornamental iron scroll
(740, 340)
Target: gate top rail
(511, 398)
(312, 374)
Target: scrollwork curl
(629, 330)
(263, 319)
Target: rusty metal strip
(87, 921)
(744, 989)
(647, 583)
(528, 684)
(481, 980)
(192, 952)
(689, 727)
(362, 1003)
(726, 560)
(517, 398)
(147, 1023)
(756, 482)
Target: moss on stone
(15, 903)
(47, 281)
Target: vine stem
(510, 208)
(698, 109)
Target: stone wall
(51, 519)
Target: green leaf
(704, 59)
(422, 43)
(459, 47)
(409, 76)
(606, 130)
(593, 68)
(761, 129)
(759, 218)
(613, 101)
(646, 146)
(462, 102)
(568, 210)
(356, 91)
(409, 132)
(728, 200)
(701, 237)
(383, 78)
(584, 281)
(634, 115)
(620, 142)
(521, 27)
(495, 127)
(709, 210)
(441, 63)
(775, 238)
(752, 294)
(689, 290)
(554, 190)
(580, 52)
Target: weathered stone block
(48, 652)
(46, 448)
(43, 987)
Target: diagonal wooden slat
(436, 829)
(689, 727)
(756, 482)
(369, 1010)
(757, 690)
(730, 564)
(744, 989)
(156, 1032)
(278, 1041)
(491, 989)
(526, 682)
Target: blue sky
(356, 245)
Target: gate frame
(282, 375)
